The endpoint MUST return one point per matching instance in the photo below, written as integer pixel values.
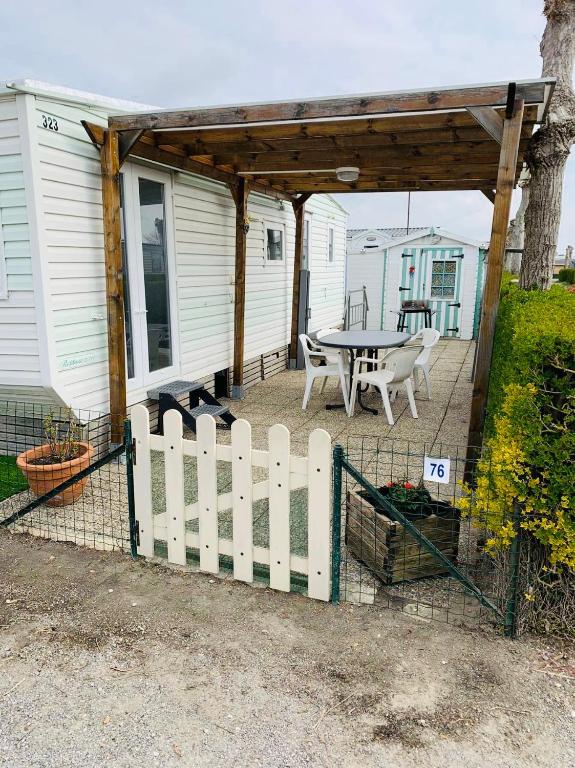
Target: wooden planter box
(388, 550)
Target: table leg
(360, 391)
(336, 406)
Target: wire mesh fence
(410, 543)
(59, 478)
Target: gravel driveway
(105, 661)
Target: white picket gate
(286, 473)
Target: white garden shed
(178, 237)
(427, 264)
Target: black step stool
(200, 402)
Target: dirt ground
(106, 661)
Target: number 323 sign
(436, 470)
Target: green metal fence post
(510, 626)
(336, 523)
(130, 477)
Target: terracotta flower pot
(43, 477)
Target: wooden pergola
(447, 139)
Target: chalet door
(443, 269)
(433, 274)
(149, 279)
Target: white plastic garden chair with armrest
(428, 337)
(332, 353)
(332, 367)
(398, 369)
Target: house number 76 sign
(436, 470)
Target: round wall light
(347, 173)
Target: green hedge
(530, 427)
(566, 275)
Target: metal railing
(356, 309)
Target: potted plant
(60, 458)
(413, 500)
(386, 547)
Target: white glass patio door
(149, 279)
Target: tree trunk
(549, 147)
(516, 230)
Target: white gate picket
(318, 523)
(242, 495)
(279, 507)
(207, 494)
(140, 418)
(174, 482)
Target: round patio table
(356, 342)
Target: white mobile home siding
(19, 350)
(69, 174)
(204, 237)
(326, 280)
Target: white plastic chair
(332, 353)
(429, 338)
(398, 369)
(334, 366)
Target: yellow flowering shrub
(530, 444)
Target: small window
(443, 274)
(330, 239)
(275, 245)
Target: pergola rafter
(446, 139)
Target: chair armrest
(368, 360)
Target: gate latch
(133, 451)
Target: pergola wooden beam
(490, 303)
(326, 143)
(476, 152)
(489, 194)
(399, 186)
(357, 127)
(490, 95)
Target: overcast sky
(187, 53)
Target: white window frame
(330, 230)
(143, 379)
(276, 228)
(443, 297)
(3, 269)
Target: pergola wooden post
(299, 211)
(240, 193)
(110, 163)
(502, 203)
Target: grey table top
(364, 339)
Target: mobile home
(427, 264)
(178, 261)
